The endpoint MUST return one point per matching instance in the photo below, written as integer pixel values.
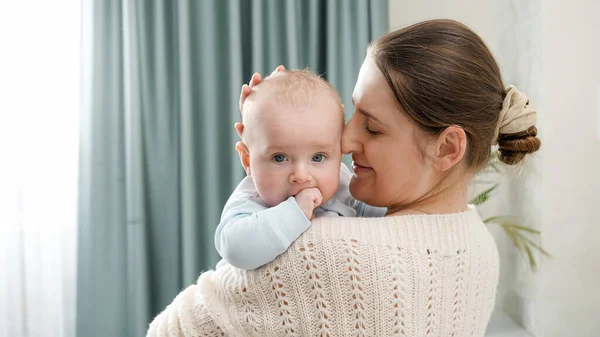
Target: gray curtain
(157, 159)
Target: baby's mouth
(295, 191)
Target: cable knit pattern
(412, 276)
(248, 312)
(317, 294)
(399, 299)
(280, 292)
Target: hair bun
(516, 115)
(514, 147)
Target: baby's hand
(308, 199)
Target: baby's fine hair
(294, 87)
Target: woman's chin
(360, 191)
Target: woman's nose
(300, 175)
(350, 143)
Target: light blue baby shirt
(252, 234)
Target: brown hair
(442, 74)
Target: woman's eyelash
(371, 132)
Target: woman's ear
(450, 147)
(244, 154)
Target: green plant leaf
(517, 233)
(529, 242)
(479, 181)
(525, 229)
(532, 263)
(511, 235)
(483, 196)
(494, 161)
(494, 166)
(501, 219)
(508, 221)
(521, 246)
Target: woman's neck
(450, 199)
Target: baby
(291, 151)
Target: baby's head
(292, 129)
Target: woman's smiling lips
(359, 169)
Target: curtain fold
(157, 158)
(102, 238)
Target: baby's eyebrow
(316, 146)
(272, 151)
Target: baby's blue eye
(280, 158)
(318, 158)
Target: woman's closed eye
(371, 131)
(319, 157)
(279, 158)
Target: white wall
(569, 294)
(550, 50)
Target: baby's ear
(244, 154)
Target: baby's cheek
(329, 183)
(272, 188)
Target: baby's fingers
(247, 89)
(243, 95)
(255, 80)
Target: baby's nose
(300, 176)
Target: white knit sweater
(421, 275)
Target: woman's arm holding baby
(187, 315)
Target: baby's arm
(251, 234)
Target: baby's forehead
(300, 140)
(295, 96)
(267, 108)
(280, 124)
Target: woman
(430, 102)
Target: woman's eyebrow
(370, 115)
(366, 113)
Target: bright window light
(39, 123)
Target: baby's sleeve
(366, 211)
(251, 234)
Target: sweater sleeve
(250, 234)
(187, 315)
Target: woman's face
(390, 168)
